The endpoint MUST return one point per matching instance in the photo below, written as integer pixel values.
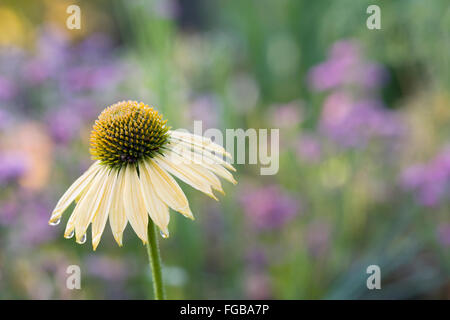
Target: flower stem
(154, 259)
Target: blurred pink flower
(12, 167)
(7, 89)
(352, 123)
(430, 181)
(309, 148)
(346, 66)
(318, 238)
(107, 268)
(268, 207)
(257, 286)
(286, 115)
(443, 234)
(206, 109)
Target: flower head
(136, 155)
(126, 133)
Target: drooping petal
(99, 221)
(206, 163)
(156, 208)
(70, 227)
(220, 171)
(117, 217)
(196, 137)
(201, 171)
(74, 191)
(198, 170)
(199, 142)
(90, 203)
(193, 153)
(166, 188)
(135, 209)
(183, 172)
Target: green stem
(154, 259)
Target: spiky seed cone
(127, 132)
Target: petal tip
(95, 242)
(118, 239)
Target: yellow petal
(166, 188)
(206, 163)
(201, 171)
(117, 217)
(70, 227)
(135, 209)
(193, 153)
(156, 208)
(199, 142)
(74, 191)
(183, 172)
(90, 203)
(220, 171)
(99, 221)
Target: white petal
(70, 227)
(135, 209)
(74, 191)
(99, 221)
(220, 171)
(199, 170)
(90, 203)
(166, 188)
(207, 175)
(156, 208)
(199, 142)
(183, 172)
(117, 217)
(194, 153)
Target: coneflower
(131, 180)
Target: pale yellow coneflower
(136, 155)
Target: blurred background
(364, 144)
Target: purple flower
(257, 286)
(34, 228)
(8, 212)
(443, 234)
(352, 123)
(52, 55)
(65, 122)
(268, 207)
(7, 89)
(64, 125)
(12, 167)
(27, 217)
(107, 268)
(318, 238)
(309, 148)
(430, 181)
(287, 115)
(206, 108)
(345, 66)
(5, 119)
(36, 71)
(412, 177)
(78, 78)
(257, 282)
(372, 75)
(94, 48)
(256, 259)
(167, 9)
